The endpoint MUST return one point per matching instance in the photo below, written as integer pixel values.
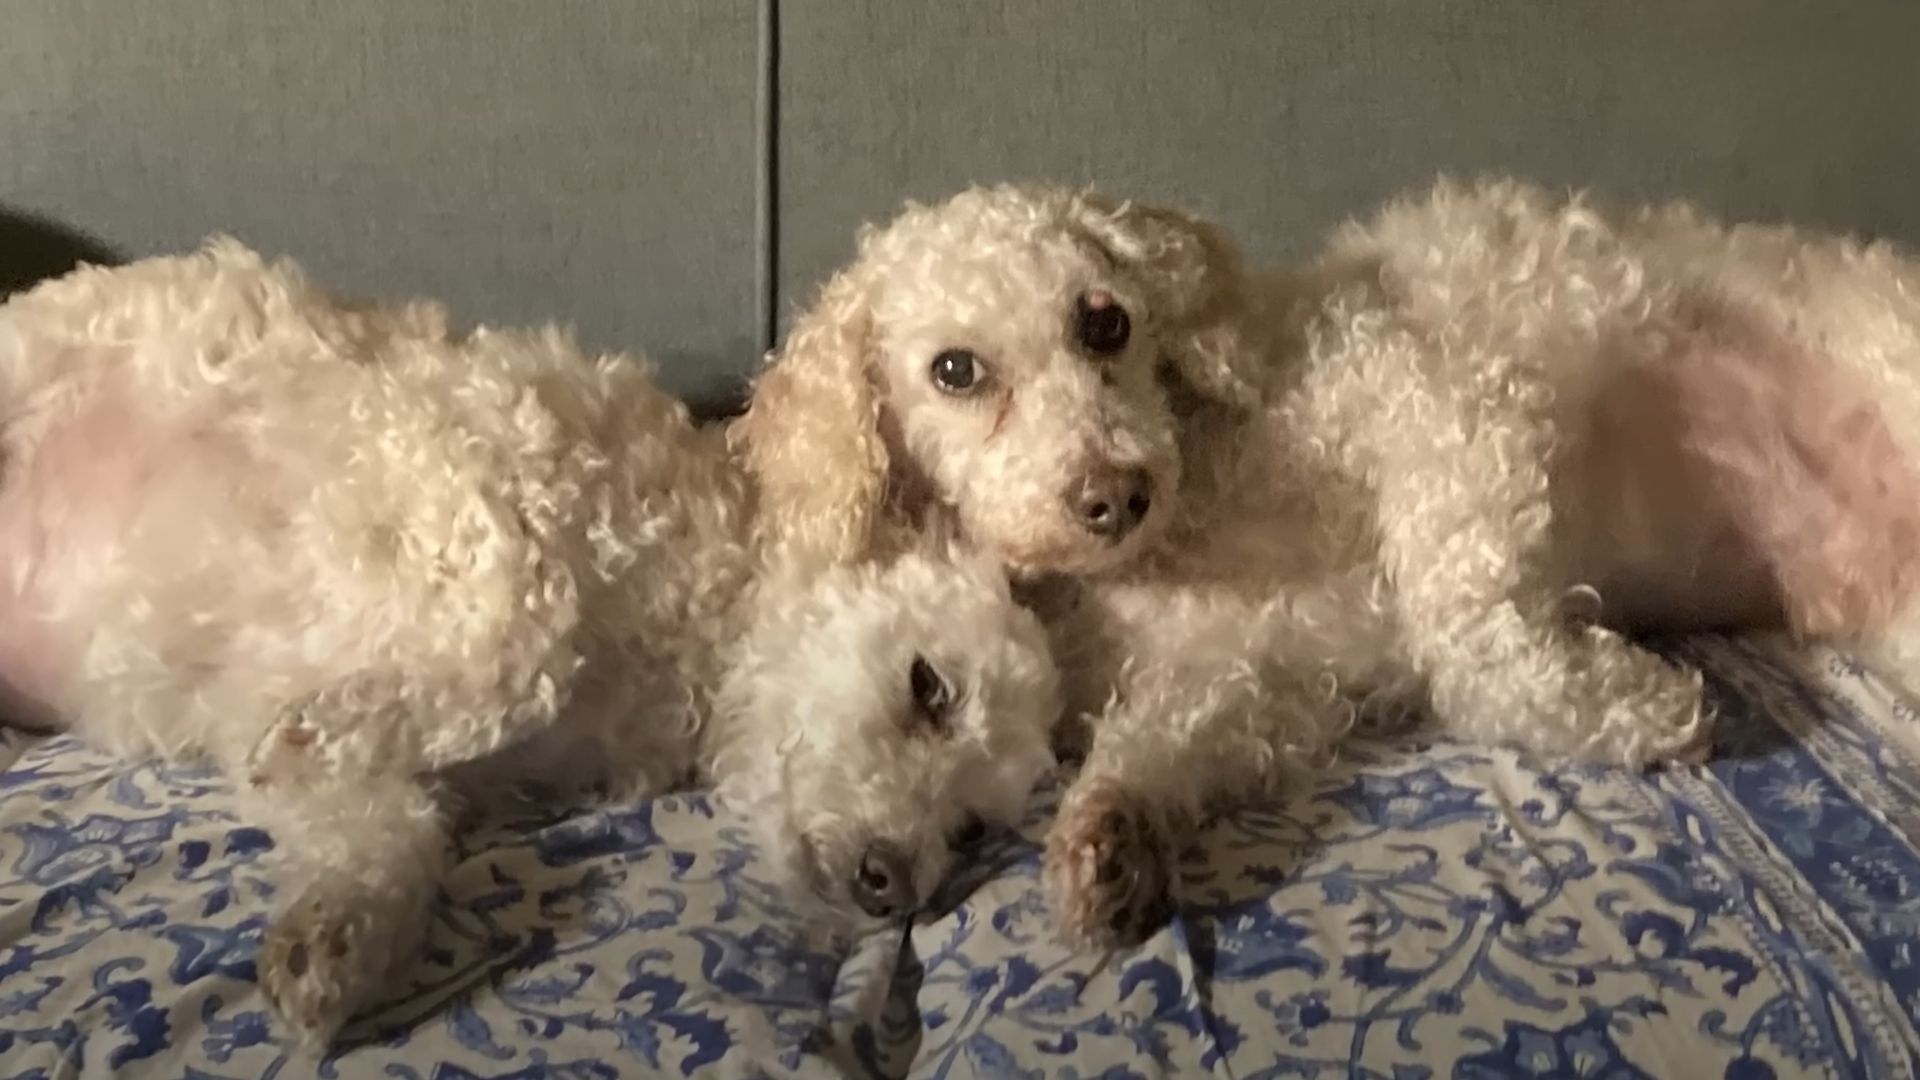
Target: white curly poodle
(370, 566)
(1446, 464)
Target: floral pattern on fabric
(1420, 909)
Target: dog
(1451, 463)
(375, 569)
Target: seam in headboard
(767, 188)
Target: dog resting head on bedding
(1450, 462)
(363, 562)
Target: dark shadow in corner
(714, 384)
(717, 406)
(33, 249)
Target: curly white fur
(1446, 463)
(366, 564)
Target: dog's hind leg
(360, 860)
(338, 781)
(1460, 453)
(382, 723)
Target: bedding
(1421, 908)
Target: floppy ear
(1197, 290)
(811, 435)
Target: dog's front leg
(1199, 718)
(360, 858)
(1460, 456)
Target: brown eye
(957, 371)
(932, 696)
(1102, 324)
(972, 830)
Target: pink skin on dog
(1740, 480)
(78, 494)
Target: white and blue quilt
(1420, 909)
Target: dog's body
(1447, 463)
(365, 564)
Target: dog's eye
(1102, 323)
(972, 830)
(932, 697)
(957, 371)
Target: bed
(1420, 909)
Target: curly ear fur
(1197, 289)
(811, 435)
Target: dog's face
(1020, 370)
(878, 716)
(1018, 363)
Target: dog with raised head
(372, 568)
(1450, 463)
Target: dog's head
(1018, 363)
(875, 715)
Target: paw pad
(307, 969)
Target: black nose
(882, 885)
(1111, 502)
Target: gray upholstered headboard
(666, 173)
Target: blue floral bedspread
(1420, 909)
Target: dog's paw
(316, 967)
(1108, 868)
